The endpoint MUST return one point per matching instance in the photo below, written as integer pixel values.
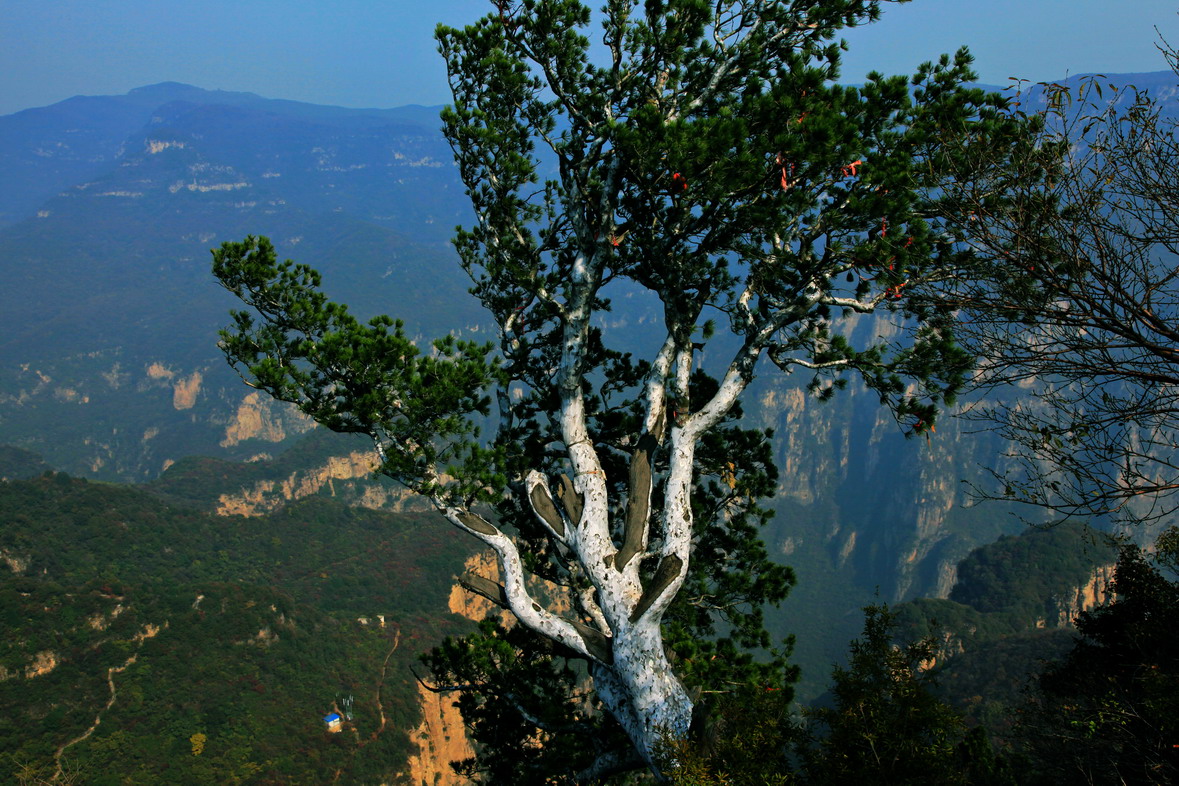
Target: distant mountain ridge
(46, 149)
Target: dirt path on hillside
(110, 680)
(381, 684)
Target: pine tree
(1106, 712)
(704, 157)
(886, 725)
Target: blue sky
(380, 53)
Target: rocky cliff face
(1085, 597)
(97, 416)
(880, 509)
(865, 514)
(266, 496)
(441, 737)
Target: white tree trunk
(642, 692)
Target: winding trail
(380, 708)
(380, 687)
(110, 680)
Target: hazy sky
(380, 53)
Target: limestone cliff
(185, 388)
(266, 496)
(885, 511)
(441, 737)
(1085, 597)
(468, 604)
(1012, 595)
(260, 417)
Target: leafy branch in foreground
(1081, 307)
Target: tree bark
(642, 692)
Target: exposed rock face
(100, 621)
(270, 495)
(14, 562)
(468, 604)
(43, 663)
(259, 417)
(887, 511)
(184, 388)
(800, 468)
(947, 577)
(71, 396)
(1093, 593)
(441, 738)
(184, 392)
(150, 631)
(263, 638)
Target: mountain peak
(164, 92)
(165, 86)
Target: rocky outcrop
(43, 663)
(468, 604)
(260, 417)
(263, 638)
(886, 512)
(441, 738)
(801, 468)
(101, 621)
(1086, 597)
(184, 392)
(269, 495)
(15, 563)
(184, 388)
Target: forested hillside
(1012, 608)
(149, 642)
